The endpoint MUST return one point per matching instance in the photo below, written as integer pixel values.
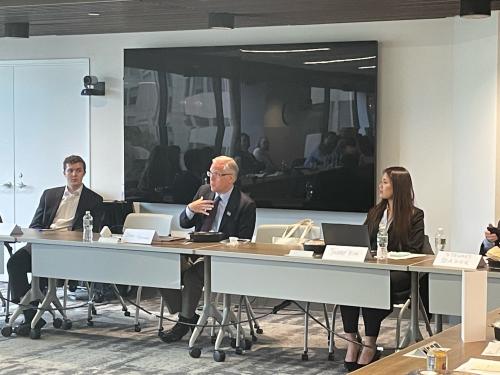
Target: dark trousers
(400, 281)
(186, 301)
(18, 267)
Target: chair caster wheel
(305, 357)
(6, 331)
(248, 344)
(213, 339)
(160, 334)
(127, 313)
(331, 357)
(195, 352)
(219, 356)
(35, 333)
(137, 328)
(93, 311)
(90, 323)
(260, 331)
(7, 319)
(67, 324)
(233, 343)
(239, 351)
(254, 338)
(57, 323)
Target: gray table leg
(413, 334)
(439, 323)
(209, 310)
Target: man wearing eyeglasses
(221, 207)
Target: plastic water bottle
(87, 227)
(382, 239)
(440, 240)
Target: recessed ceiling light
(94, 14)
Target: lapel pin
(228, 213)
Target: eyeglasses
(217, 174)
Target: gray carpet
(113, 347)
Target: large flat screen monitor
(300, 120)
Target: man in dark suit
(60, 208)
(221, 207)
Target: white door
(6, 143)
(51, 122)
(6, 152)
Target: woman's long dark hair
(403, 205)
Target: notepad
(403, 255)
(480, 366)
(493, 349)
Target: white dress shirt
(67, 209)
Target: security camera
(90, 81)
(92, 86)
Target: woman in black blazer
(406, 233)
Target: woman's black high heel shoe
(351, 366)
(376, 357)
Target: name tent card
(458, 260)
(346, 253)
(140, 236)
(422, 351)
(9, 229)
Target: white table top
(425, 265)
(272, 252)
(69, 238)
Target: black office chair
(5, 302)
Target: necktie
(208, 223)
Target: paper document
(493, 349)
(403, 255)
(168, 238)
(480, 366)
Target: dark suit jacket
(49, 203)
(416, 236)
(482, 250)
(239, 216)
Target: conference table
(459, 353)
(267, 270)
(255, 269)
(63, 255)
(445, 287)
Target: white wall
(424, 117)
(474, 124)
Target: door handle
(8, 185)
(21, 184)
